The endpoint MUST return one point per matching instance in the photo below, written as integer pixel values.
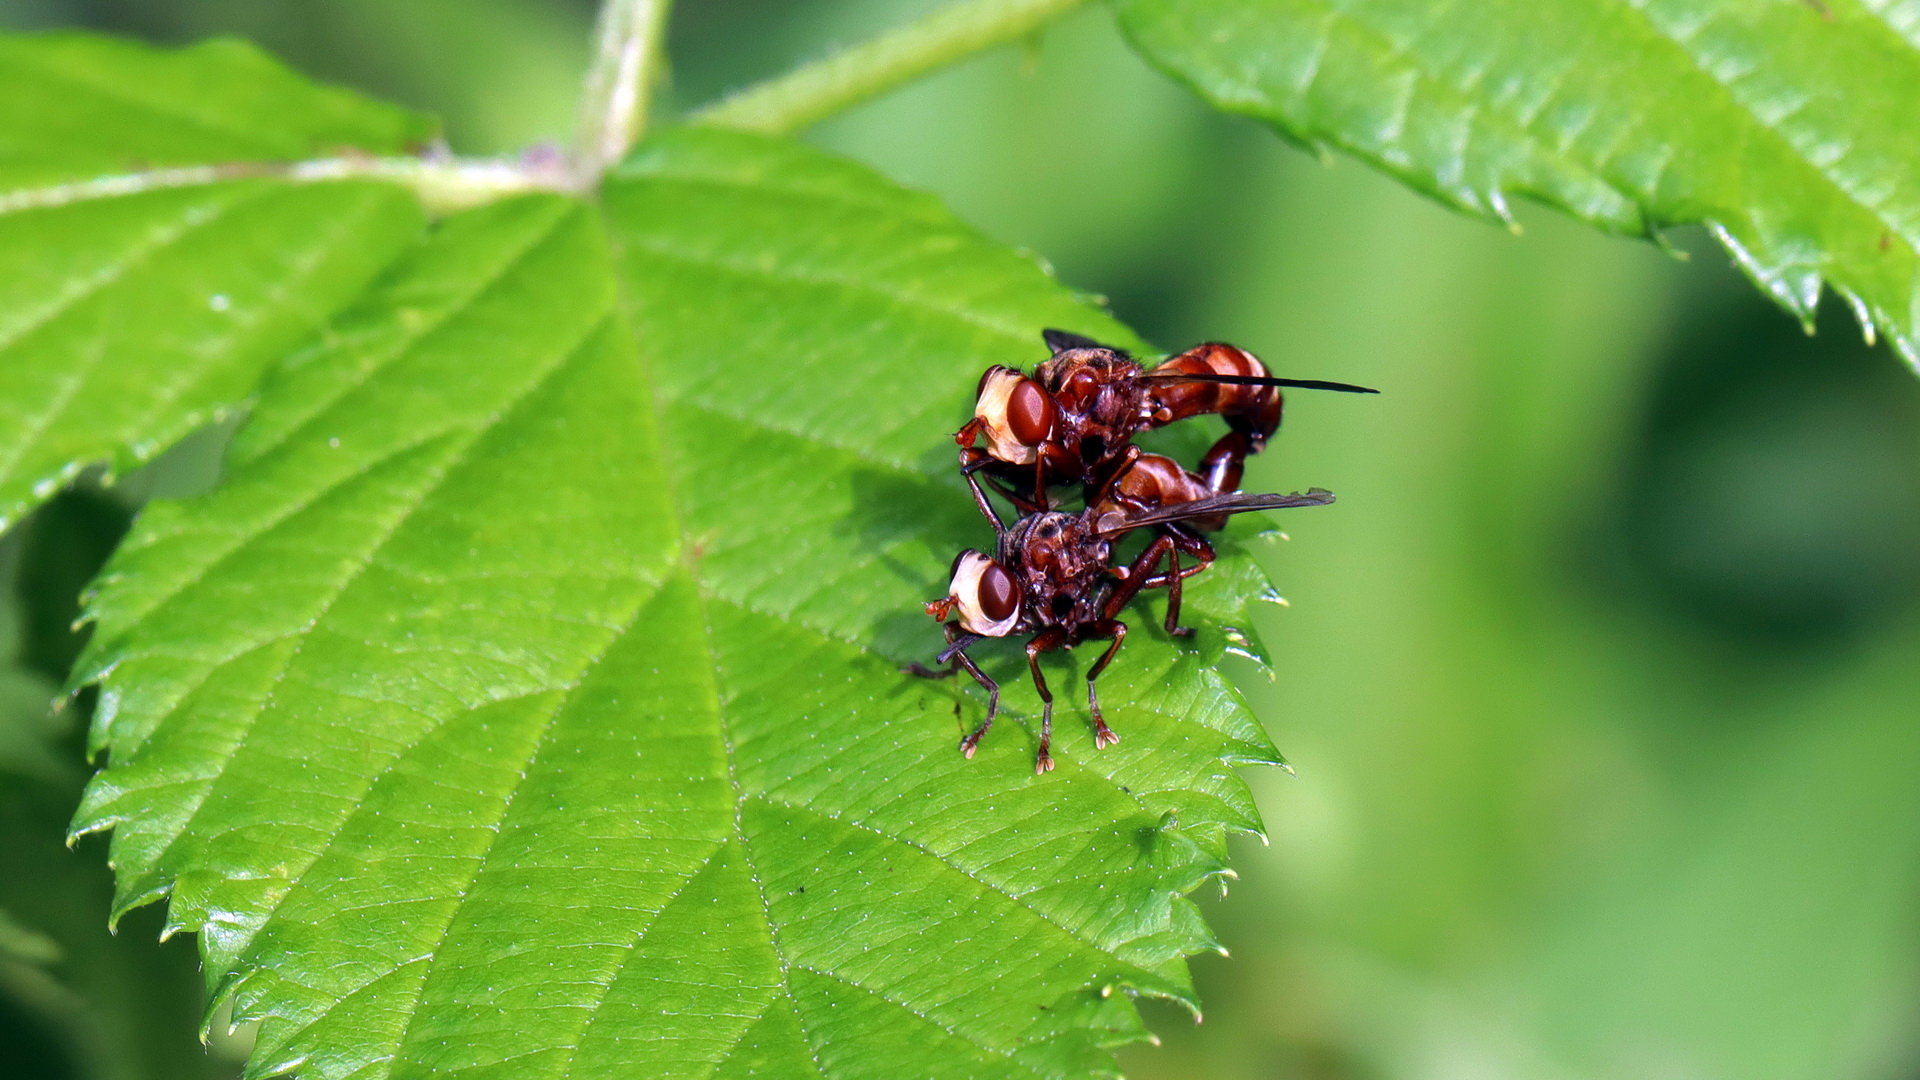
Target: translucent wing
(1062, 340)
(1236, 503)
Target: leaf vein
(78, 376)
(843, 282)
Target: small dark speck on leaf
(1820, 8)
(1886, 241)
(802, 888)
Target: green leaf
(527, 698)
(81, 107)
(126, 322)
(1783, 126)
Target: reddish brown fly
(1054, 575)
(1072, 420)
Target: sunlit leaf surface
(526, 701)
(1785, 126)
(81, 107)
(126, 322)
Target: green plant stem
(824, 87)
(613, 108)
(444, 185)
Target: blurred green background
(1600, 680)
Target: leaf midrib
(719, 711)
(660, 397)
(623, 243)
(625, 305)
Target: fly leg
(1020, 502)
(1045, 640)
(1173, 595)
(1138, 576)
(1103, 735)
(1201, 551)
(1101, 489)
(980, 497)
(973, 738)
(957, 657)
(972, 460)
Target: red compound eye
(1029, 413)
(998, 597)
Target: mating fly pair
(1054, 574)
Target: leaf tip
(80, 832)
(1663, 240)
(132, 900)
(1862, 314)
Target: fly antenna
(959, 646)
(986, 506)
(1259, 380)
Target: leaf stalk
(613, 108)
(817, 90)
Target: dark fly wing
(1238, 502)
(1260, 380)
(1062, 340)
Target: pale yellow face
(986, 596)
(992, 412)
